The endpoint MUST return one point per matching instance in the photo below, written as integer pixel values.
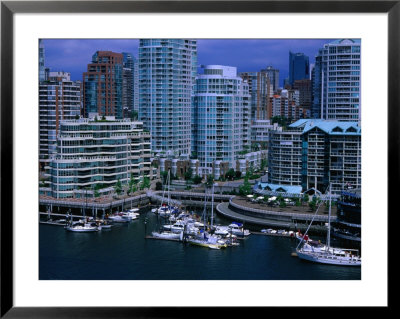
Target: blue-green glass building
(167, 68)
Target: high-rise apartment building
(299, 67)
(130, 84)
(337, 81)
(127, 84)
(305, 96)
(41, 61)
(102, 85)
(167, 68)
(287, 104)
(260, 89)
(273, 75)
(59, 99)
(222, 117)
(316, 153)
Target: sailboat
(203, 238)
(328, 254)
(165, 210)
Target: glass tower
(42, 73)
(222, 117)
(299, 67)
(337, 81)
(167, 68)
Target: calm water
(123, 253)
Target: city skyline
(73, 55)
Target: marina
(125, 249)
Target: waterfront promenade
(233, 207)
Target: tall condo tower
(337, 81)
(222, 116)
(299, 67)
(167, 68)
(59, 99)
(42, 76)
(260, 89)
(273, 75)
(102, 85)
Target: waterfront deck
(276, 220)
(303, 209)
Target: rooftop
(331, 127)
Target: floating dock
(171, 239)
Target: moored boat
(238, 230)
(82, 227)
(118, 218)
(326, 254)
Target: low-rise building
(251, 161)
(178, 166)
(260, 132)
(94, 154)
(347, 227)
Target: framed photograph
(88, 58)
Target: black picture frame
(9, 8)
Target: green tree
(230, 175)
(238, 174)
(145, 183)
(96, 190)
(197, 179)
(263, 164)
(118, 187)
(164, 176)
(245, 188)
(188, 174)
(194, 155)
(210, 180)
(158, 186)
(255, 147)
(134, 115)
(313, 203)
(132, 185)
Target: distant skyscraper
(273, 75)
(167, 68)
(260, 91)
(59, 99)
(299, 67)
(102, 85)
(222, 117)
(304, 88)
(42, 73)
(127, 83)
(337, 81)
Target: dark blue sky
(73, 55)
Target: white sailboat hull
(80, 229)
(167, 235)
(328, 258)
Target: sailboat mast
(212, 206)
(169, 181)
(328, 237)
